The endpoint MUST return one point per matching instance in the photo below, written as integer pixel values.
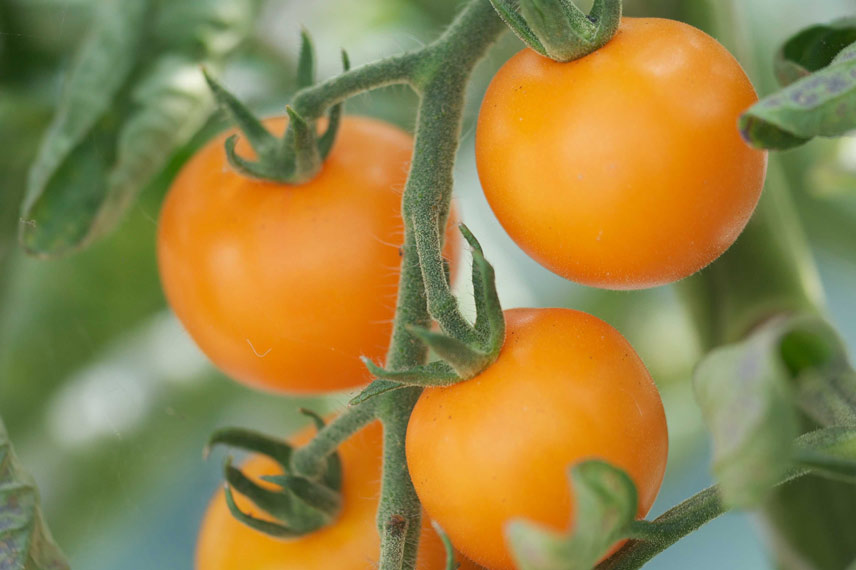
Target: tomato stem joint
(461, 358)
(294, 504)
(558, 29)
(295, 157)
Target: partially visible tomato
(351, 543)
(566, 387)
(624, 169)
(284, 287)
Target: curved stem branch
(313, 101)
(650, 538)
(309, 459)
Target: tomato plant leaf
(69, 173)
(605, 503)
(813, 49)
(820, 104)
(820, 369)
(25, 541)
(134, 95)
(746, 400)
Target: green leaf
(134, 96)
(813, 49)
(606, 504)
(25, 541)
(69, 171)
(745, 397)
(821, 104)
(203, 29)
(818, 363)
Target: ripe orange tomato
(351, 543)
(566, 387)
(284, 287)
(624, 169)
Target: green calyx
(297, 156)
(295, 504)
(465, 350)
(558, 29)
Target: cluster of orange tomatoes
(622, 170)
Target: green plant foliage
(606, 503)
(134, 95)
(820, 369)
(813, 49)
(820, 104)
(750, 393)
(25, 541)
(744, 393)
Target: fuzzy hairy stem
(441, 79)
(396, 70)
(439, 72)
(309, 459)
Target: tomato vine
(784, 357)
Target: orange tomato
(566, 387)
(350, 543)
(284, 287)
(624, 169)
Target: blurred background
(109, 403)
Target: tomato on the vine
(566, 387)
(623, 169)
(350, 543)
(284, 287)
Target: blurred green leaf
(820, 104)
(750, 393)
(746, 402)
(135, 95)
(605, 502)
(813, 49)
(820, 369)
(25, 541)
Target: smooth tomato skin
(624, 169)
(284, 287)
(566, 387)
(351, 543)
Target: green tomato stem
(309, 460)
(439, 73)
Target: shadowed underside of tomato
(284, 287)
(350, 543)
(566, 387)
(624, 169)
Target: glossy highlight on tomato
(566, 387)
(623, 169)
(350, 543)
(284, 287)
